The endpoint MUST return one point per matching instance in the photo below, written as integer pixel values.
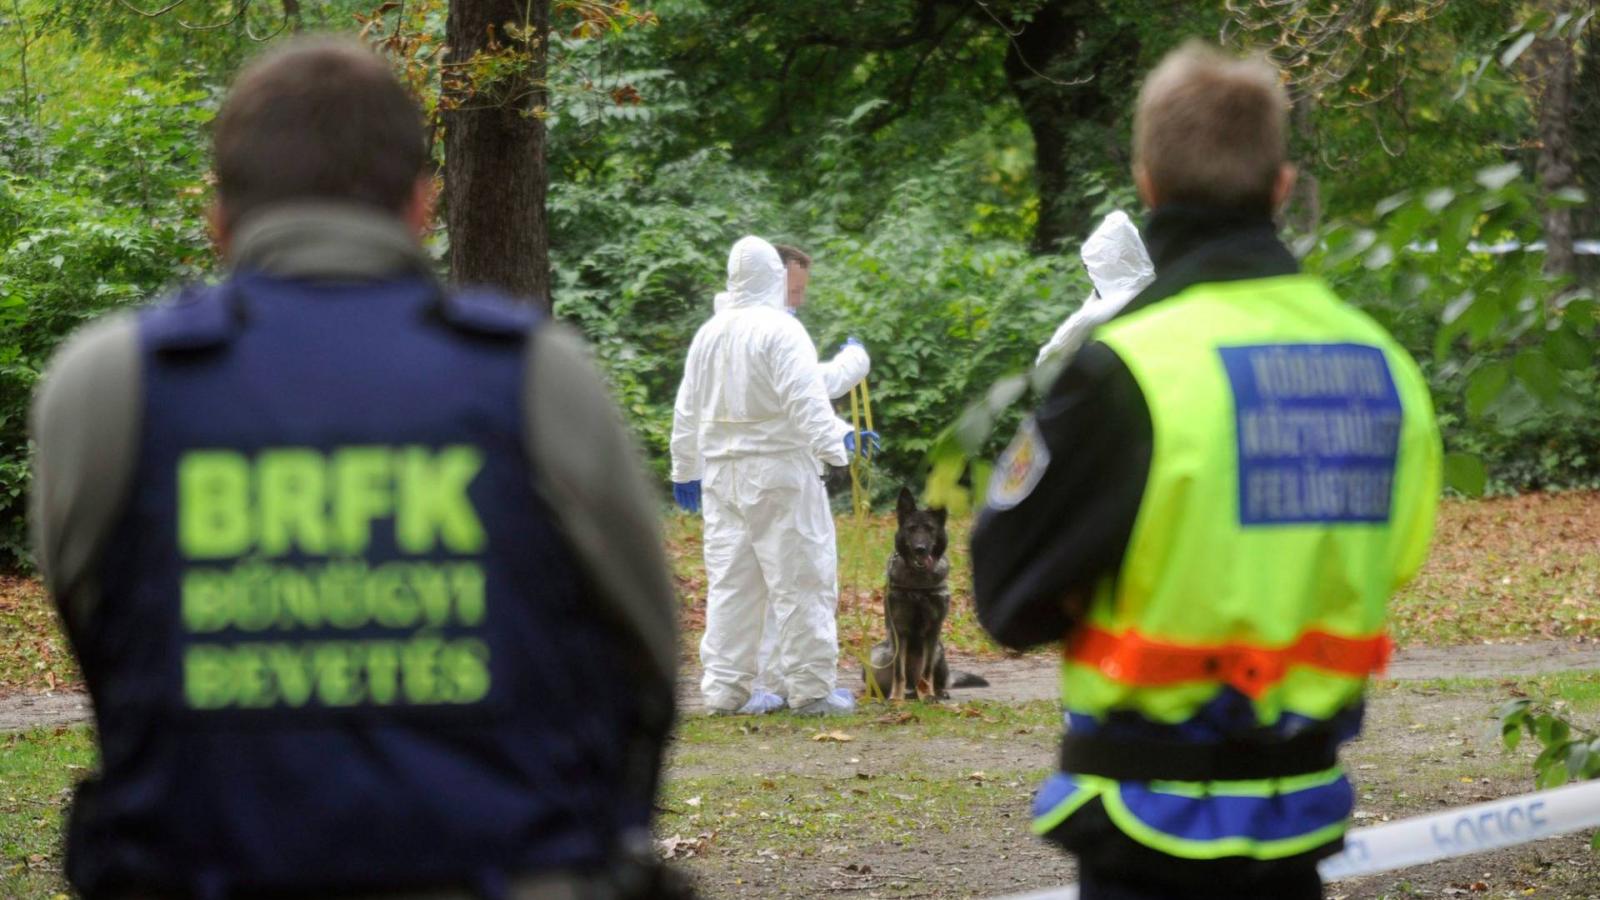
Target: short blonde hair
(1210, 129)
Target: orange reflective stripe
(1134, 659)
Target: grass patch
(977, 720)
(792, 815)
(1512, 568)
(35, 784)
(1576, 691)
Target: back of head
(317, 119)
(1210, 130)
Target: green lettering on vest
(361, 493)
(298, 604)
(252, 680)
(419, 665)
(393, 602)
(292, 492)
(213, 504)
(433, 503)
(289, 665)
(467, 584)
(467, 664)
(205, 601)
(207, 683)
(255, 602)
(336, 674)
(383, 672)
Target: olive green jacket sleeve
(588, 469)
(85, 424)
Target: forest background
(940, 159)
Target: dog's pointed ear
(907, 504)
(941, 513)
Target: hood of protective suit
(1120, 268)
(1117, 261)
(756, 277)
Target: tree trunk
(494, 166)
(1065, 71)
(1553, 61)
(1304, 213)
(1586, 147)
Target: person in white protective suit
(752, 428)
(847, 369)
(1120, 267)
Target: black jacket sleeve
(1035, 564)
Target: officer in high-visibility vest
(1211, 509)
(364, 574)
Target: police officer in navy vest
(363, 573)
(1210, 510)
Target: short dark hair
(792, 255)
(318, 118)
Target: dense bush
(101, 211)
(1508, 352)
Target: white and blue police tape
(1454, 832)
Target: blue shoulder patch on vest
(199, 317)
(488, 313)
(1318, 429)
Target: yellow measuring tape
(860, 403)
(861, 505)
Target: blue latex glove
(853, 341)
(870, 443)
(687, 493)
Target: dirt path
(1012, 680)
(23, 711)
(1036, 677)
(1423, 750)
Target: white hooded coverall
(1120, 268)
(753, 411)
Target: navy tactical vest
(342, 645)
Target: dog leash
(860, 403)
(860, 504)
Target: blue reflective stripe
(1258, 819)
(1060, 796)
(1056, 789)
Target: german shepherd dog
(915, 604)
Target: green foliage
(99, 211)
(1569, 753)
(1507, 351)
(636, 264)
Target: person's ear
(1147, 188)
(418, 212)
(217, 224)
(1283, 186)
